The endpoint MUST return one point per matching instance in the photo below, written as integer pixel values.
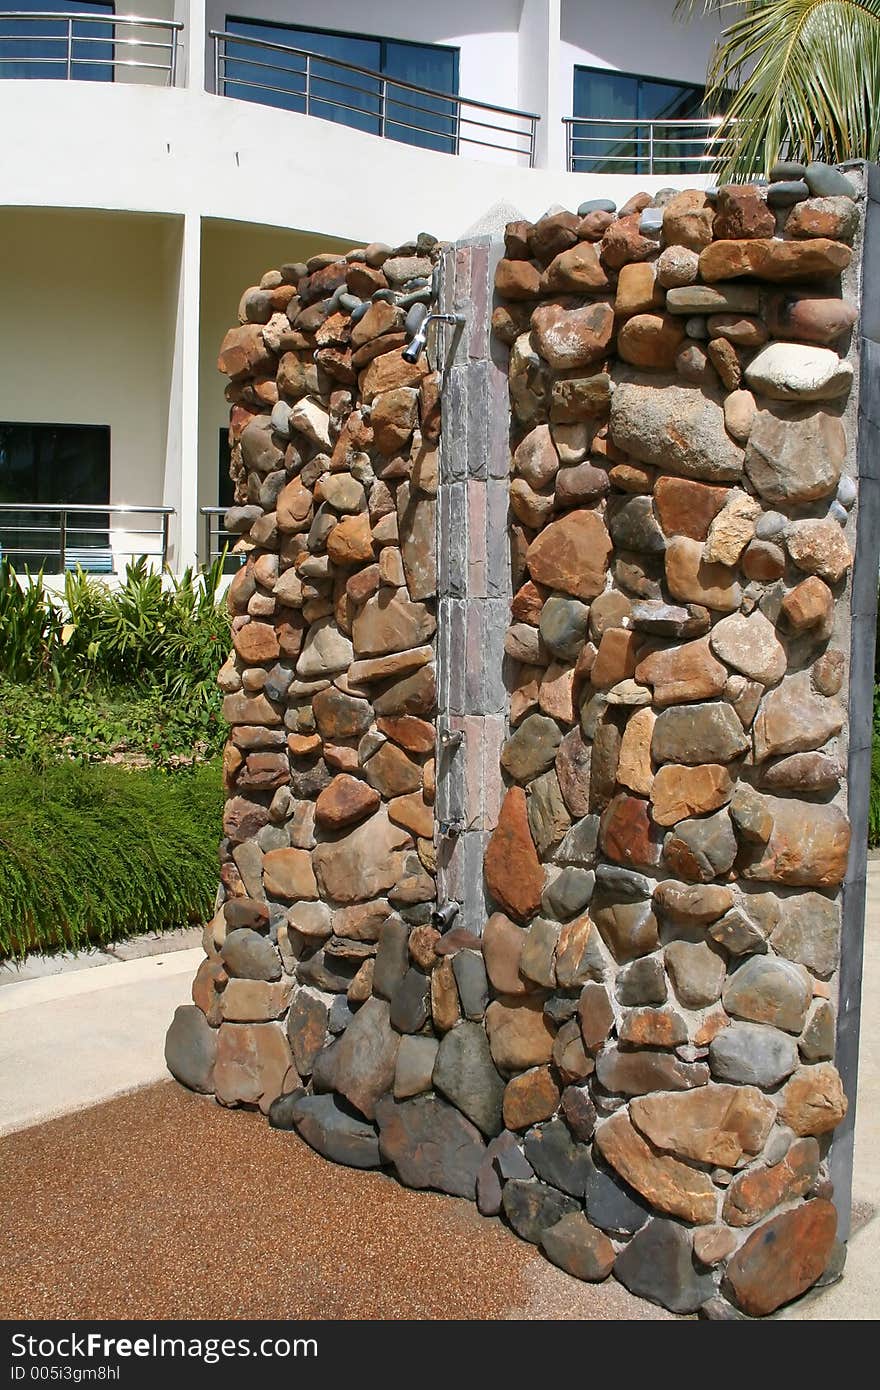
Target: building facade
(160, 163)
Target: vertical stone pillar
(474, 578)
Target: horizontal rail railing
(217, 538)
(53, 43)
(53, 532)
(642, 146)
(316, 85)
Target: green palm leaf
(801, 78)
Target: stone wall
(624, 1043)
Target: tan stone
(732, 529)
(387, 372)
(679, 792)
(253, 1060)
(287, 873)
(568, 338)
(576, 270)
(634, 767)
(520, 1035)
(692, 579)
(774, 260)
(445, 1009)
(616, 657)
(254, 1001)
(256, 643)
(529, 1098)
(666, 1183)
(808, 846)
(714, 1124)
(688, 219)
(819, 547)
(362, 863)
(813, 1101)
(809, 604)
(351, 541)
(556, 693)
(503, 942)
(651, 340)
(754, 1193)
(391, 622)
(749, 644)
(637, 290)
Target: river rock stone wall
(629, 1056)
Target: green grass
(94, 853)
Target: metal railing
(316, 85)
(217, 539)
(34, 39)
(76, 545)
(621, 145)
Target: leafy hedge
(99, 852)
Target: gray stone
(579, 1112)
(795, 454)
(578, 1248)
(431, 1144)
(532, 1207)
(281, 1110)
(633, 526)
(335, 1133)
(701, 733)
(765, 989)
(786, 192)
(415, 1065)
(563, 626)
(549, 820)
(532, 748)
(392, 957)
(249, 956)
(638, 1073)
(612, 1206)
(569, 892)
(824, 181)
(642, 982)
(465, 1073)
(537, 961)
(340, 1015)
(307, 1022)
(769, 525)
(191, 1049)
(786, 169)
(697, 972)
(658, 1265)
(738, 934)
(703, 848)
(579, 845)
(326, 972)
(558, 1158)
(678, 428)
(627, 884)
(818, 1038)
(366, 1055)
(753, 1054)
(469, 970)
(714, 299)
(809, 932)
(410, 1002)
(596, 205)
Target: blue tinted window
(279, 78)
(603, 96)
(38, 47)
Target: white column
(191, 60)
(539, 90)
(181, 488)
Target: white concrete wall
(87, 333)
(637, 36)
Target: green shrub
(96, 853)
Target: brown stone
(809, 604)
(345, 801)
(651, 340)
(646, 1027)
(576, 270)
(637, 290)
(391, 622)
(623, 242)
(252, 1062)
(808, 846)
(569, 1054)
(502, 945)
(754, 1193)
(580, 484)
(517, 280)
(551, 234)
(634, 767)
(529, 1098)
(714, 1124)
(796, 454)
(256, 643)
(742, 213)
(712, 1244)
(243, 353)
(834, 218)
(692, 904)
(578, 1248)
(679, 792)
(238, 709)
(806, 319)
(392, 772)
(692, 579)
(513, 873)
(763, 561)
(362, 863)
(687, 220)
(413, 813)
(616, 657)
(603, 765)
(682, 674)
(571, 555)
(795, 718)
(351, 541)
(520, 1035)
(445, 1010)
(666, 1183)
(774, 260)
(293, 510)
(738, 329)
(556, 693)
(687, 508)
(387, 372)
(287, 873)
(415, 735)
(819, 547)
(339, 715)
(634, 478)
(595, 1015)
(594, 226)
(782, 1259)
(813, 1101)
(627, 833)
(578, 957)
(254, 1001)
(629, 930)
(568, 338)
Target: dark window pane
(225, 498)
(601, 147)
(276, 78)
(38, 47)
(49, 464)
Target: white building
(153, 168)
